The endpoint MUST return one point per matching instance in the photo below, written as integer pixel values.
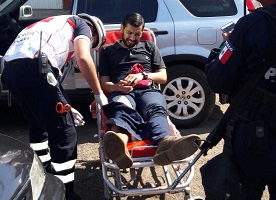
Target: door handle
(157, 32)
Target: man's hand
(226, 35)
(132, 79)
(78, 118)
(124, 86)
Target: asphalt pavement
(88, 176)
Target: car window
(2, 5)
(113, 11)
(2, 1)
(210, 8)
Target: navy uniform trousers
(52, 135)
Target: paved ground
(89, 181)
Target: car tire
(190, 100)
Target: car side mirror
(25, 12)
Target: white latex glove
(101, 99)
(78, 118)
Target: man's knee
(123, 100)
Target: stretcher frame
(116, 185)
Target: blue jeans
(146, 118)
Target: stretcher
(133, 181)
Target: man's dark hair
(134, 19)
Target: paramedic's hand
(78, 118)
(101, 99)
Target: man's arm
(86, 64)
(126, 85)
(224, 65)
(121, 86)
(159, 77)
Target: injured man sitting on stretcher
(128, 70)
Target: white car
(185, 31)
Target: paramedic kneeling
(32, 72)
(126, 71)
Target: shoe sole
(116, 150)
(180, 150)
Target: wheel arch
(190, 59)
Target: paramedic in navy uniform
(254, 130)
(53, 135)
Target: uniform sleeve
(240, 55)
(225, 63)
(82, 30)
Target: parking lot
(89, 182)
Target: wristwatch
(145, 75)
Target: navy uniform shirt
(252, 38)
(116, 61)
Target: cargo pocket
(258, 138)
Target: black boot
(70, 194)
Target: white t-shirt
(56, 35)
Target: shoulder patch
(225, 52)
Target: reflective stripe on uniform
(42, 150)
(58, 167)
(45, 158)
(66, 178)
(39, 146)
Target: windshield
(2, 1)
(9, 6)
